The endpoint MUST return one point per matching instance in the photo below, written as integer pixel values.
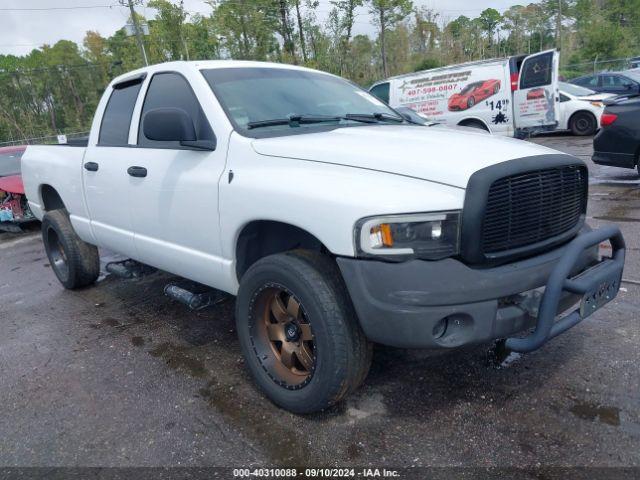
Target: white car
(580, 109)
(335, 221)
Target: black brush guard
(601, 282)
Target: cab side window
(381, 91)
(593, 82)
(172, 90)
(612, 81)
(116, 120)
(537, 71)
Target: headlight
(429, 236)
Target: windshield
(254, 95)
(633, 74)
(575, 90)
(10, 160)
(470, 87)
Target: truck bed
(59, 166)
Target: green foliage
(56, 88)
(427, 64)
(387, 14)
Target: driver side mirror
(173, 125)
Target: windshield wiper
(293, 121)
(374, 117)
(297, 120)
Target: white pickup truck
(335, 221)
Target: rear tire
(75, 262)
(583, 124)
(299, 333)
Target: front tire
(75, 262)
(299, 333)
(583, 124)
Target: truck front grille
(531, 207)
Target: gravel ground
(119, 375)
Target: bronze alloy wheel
(299, 335)
(282, 337)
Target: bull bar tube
(603, 279)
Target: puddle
(137, 341)
(178, 358)
(592, 412)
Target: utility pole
(559, 26)
(136, 27)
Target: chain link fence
(587, 68)
(44, 140)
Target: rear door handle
(137, 171)
(91, 166)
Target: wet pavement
(120, 375)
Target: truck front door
(104, 172)
(174, 190)
(536, 102)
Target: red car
(14, 209)
(535, 94)
(472, 94)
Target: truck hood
(597, 97)
(436, 154)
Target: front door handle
(137, 171)
(91, 166)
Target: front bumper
(446, 304)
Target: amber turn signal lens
(383, 234)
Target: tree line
(55, 88)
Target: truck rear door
(536, 103)
(106, 182)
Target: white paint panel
(438, 154)
(324, 199)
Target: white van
(511, 96)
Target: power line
(48, 9)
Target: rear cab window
(116, 120)
(170, 89)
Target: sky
(28, 24)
